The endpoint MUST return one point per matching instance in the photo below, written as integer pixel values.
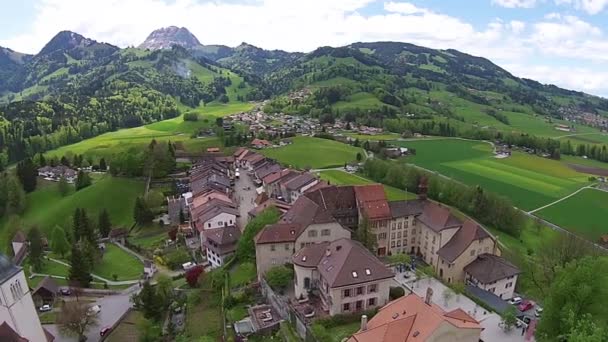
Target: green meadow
(529, 181)
(316, 153)
(337, 177)
(583, 213)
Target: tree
(584, 329)
(27, 174)
(59, 242)
(149, 331)
(82, 180)
(141, 212)
(577, 291)
(104, 225)
(363, 235)
(74, 319)
(509, 318)
(193, 274)
(245, 250)
(80, 271)
(35, 248)
(164, 290)
(396, 292)
(15, 196)
(279, 277)
(63, 186)
(148, 302)
(400, 258)
(102, 164)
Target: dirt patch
(589, 169)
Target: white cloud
(515, 3)
(590, 6)
(517, 26)
(403, 8)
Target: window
(312, 233)
(371, 302)
(325, 232)
(382, 236)
(394, 225)
(406, 224)
(405, 233)
(346, 293)
(508, 285)
(359, 305)
(398, 235)
(399, 225)
(221, 223)
(493, 289)
(209, 225)
(472, 252)
(413, 240)
(286, 246)
(302, 245)
(392, 236)
(359, 290)
(433, 239)
(398, 243)
(392, 244)
(272, 248)
(413, 223)
(346, 307)
(405, 242)
(372, 288)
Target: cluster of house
(55, 173)
(576, 115)
(315, 235)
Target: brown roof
(300, 181)
(238, 151)
(339, 200)
(279, 232)
(372, 201)
(19, 237)
(222, 240)
(116, 232)
(320, 185)
(260, 142)
(469, 232)
(409, 318)
(488, 268)
(211, 194)
(254, 157)
(48, 284)
(344, 262)
(213, 149)
(272, 202)
(279, 176)
(406, 208)
(438, 217)
(7, 334)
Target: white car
(45, 308)
(94, 310)
(515, 300)
(188, 265)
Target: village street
(244, 194)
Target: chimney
(429, 296)
(328, 252)
(363, 322)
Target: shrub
(396, 292)
(176, 258)
(279, 277)
(190, 117)
(193, 274)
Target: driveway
(244, 198)
(112, 309)
(488, 320)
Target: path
(130, 251)
(244, 198)
(561, 199)
(110, 282)
(575, 134)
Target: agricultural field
(377, 137)
(46, 208)
(337, 177)
(529, 181)
(316, 153)
(583, 213)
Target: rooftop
(470, 231)
(488, 268)
(438, 217)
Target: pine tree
(15, 196)
(80, 271)
(59, 242)
(28, 175)
(35, 248)
(82, 180)
(141, 212)
(148, 302)
(364, 236)
(102, 164)
(104, 225)
(63, 186)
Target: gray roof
(406, 208)
(469, 232)
(300, 181)
(488, 268)
(7, 268)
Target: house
(343, 274)
(293, 188)
(220, 244)
(17, 312)
(340, 201)
(283, 207)
(213, 150)
(46, 291)
(213, 214)
(56, 173)
(305, 223)
(149, 269)
(118, 235)
(260, 143)
(412, 319)
(402, 237)
(373, 206)
(272, 182)
(493, 274)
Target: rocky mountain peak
(166, 37)
(66, 40)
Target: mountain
(11, 62)
(165, 38)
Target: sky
(562, 42)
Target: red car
(104, 331)
(525, 305)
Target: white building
(17, 308)
(493, 274)
(220, 244)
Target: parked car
(65, 292)
(538, 312)
(515, 300)
(104, 331)
(94, 310)
(45, 308)
(188, 265)
(525, 305)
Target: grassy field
(378, 137)
(583, 213)
(529, 181)
(316, 153)
(242, 274)
(362, 101)
(337, 177)
(46, 208)
(115, 261)
(204, 319)
(126, 330)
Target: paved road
(244, 198)
(112, 309)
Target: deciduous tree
(35, 248)
(59, 242)
(74, 319)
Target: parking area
(489, 320)
(245, 195)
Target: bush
(193, 276)
(396, 292)
(176, 258)
(338, 320)
(190, 117)
(279, 277)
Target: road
(244, 198)
(112, 309)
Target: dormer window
(368, 271)
(355, 275)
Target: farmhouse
(343, 274)
(56, 173)
(410, 318)
(493, 274)
(293, 188)
(220, 244)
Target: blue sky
(564, 42)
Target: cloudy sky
(564, 42)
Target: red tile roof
(371, 200)
(438, 217)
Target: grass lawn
(237, 313)
(338, 333)
(337, 177)
(316, 153)
(529, 181)
(204, 319)
(116, 261)
(583, 213)
(149, 237)
(242, 274)
(361, 100)
(46, 208)
(47, 317)
(126, 330)
(377, 137)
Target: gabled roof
(267, 169)
(7, 268)
(7, 334)
(409, 318)
(371, 200)
(469, 232)
(222, 240)
(488, 268)
(437, 217)
(49, 284)
(300, 181)
(238, 151)
(279, 232)
(406, 208)
(272, 202)
(345, 262)
(19, 237)
(203, 198)
(280, 176)
(211, 209)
